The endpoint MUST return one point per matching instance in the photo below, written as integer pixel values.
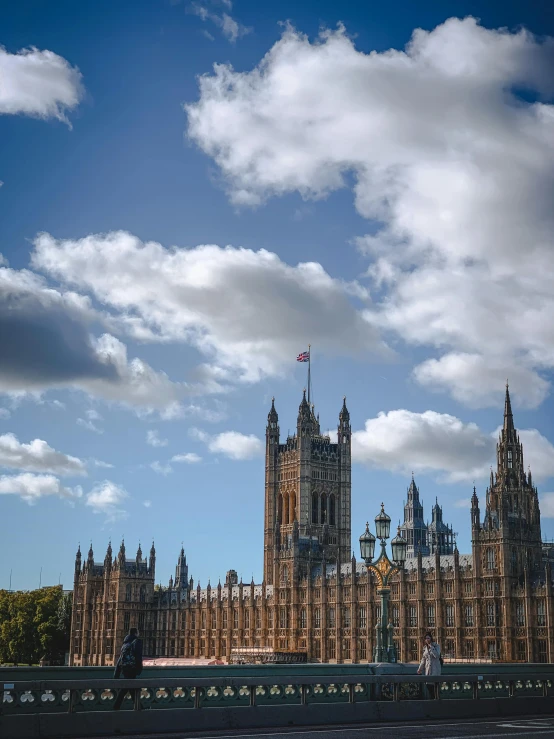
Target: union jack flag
(303, 357)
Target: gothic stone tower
(307, 496)
(507, 547)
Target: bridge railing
(98, 695)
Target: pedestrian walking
(129, 664)
(431, 661)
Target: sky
(194, 192)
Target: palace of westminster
(315, 598)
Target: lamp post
(383, 568)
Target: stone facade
(315, 597)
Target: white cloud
(37, 456)
(229, 27)
(161, 469)
(463, 503)
(147, 503)
(184, 295)
(39, 84)
(153, 438)
(31, 487)
(404, 441)
(453, 167)
(4, 414)
(231, 444)
(188, 458)
(107, 498)
(100, 463)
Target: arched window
(128, 592)
(323, 517)
(142, 593)
(332, 510)
(314, 508)
(292, 508)
(303, 619)
(491, 563)
(280, 509)
(286, 519)
(285, 573)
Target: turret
(344, 430)
(139, 556)
(90, 558)
(152, 562)
(78, 561)
(305, 420)
(475, 513)
(108, 559)
(181, 571)
(121, 555)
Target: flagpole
(309, 370)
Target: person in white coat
(431, 661)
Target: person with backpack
(129, 664)
(431, 661)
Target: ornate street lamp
(382, 569)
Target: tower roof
(508, 415)
(272, 415)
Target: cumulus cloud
(37, 456)
(153, 438)
(231, 444)
(51, 346)
(108, 498)
(39, 84)
(404, 441)
(230, 28)
(452, 165)
(188, 458)
(30, 487)
(184, 295)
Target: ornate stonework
(315, 597)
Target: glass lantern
(399, 547)
(367, 545)
(382, 524)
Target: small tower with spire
(181, 572)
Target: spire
(508, 416)
(304, 410)
(139, 553)
(272, 416)
(152, 550)
(90, 558)
(109, 556)
(344, 415)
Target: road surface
(485, 729)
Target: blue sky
(173, 234)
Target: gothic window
(258, 618)
(395, 616)
(173, 621)
(280, 508)
(317, 649)
(450, 615)
(541, 613)
(285, 573)
(283, 617)
(303, 619)
(414, 651)
(235, 618)
(193, 620)
(450, 648)
(346, 649)
(468, 615)
(543, 650)
(292, 508)
(412, 588)
(491, 614)
(413, 615)
(126, 621)
(520, 614)
(286, 519)
(314, 508)
(362, 617)
(225, 618)
(363, 650)
(128, 592)
(247, 619)
(142, 595)
(317, 618)
(509, 459)
(332, 649)
(332, 510)
(468, 587)
(214, 620)
(323, 508)
(270, 618)
(430, 615)
(332, 618)
(346, 617)
(491, 559)
(448, 587)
